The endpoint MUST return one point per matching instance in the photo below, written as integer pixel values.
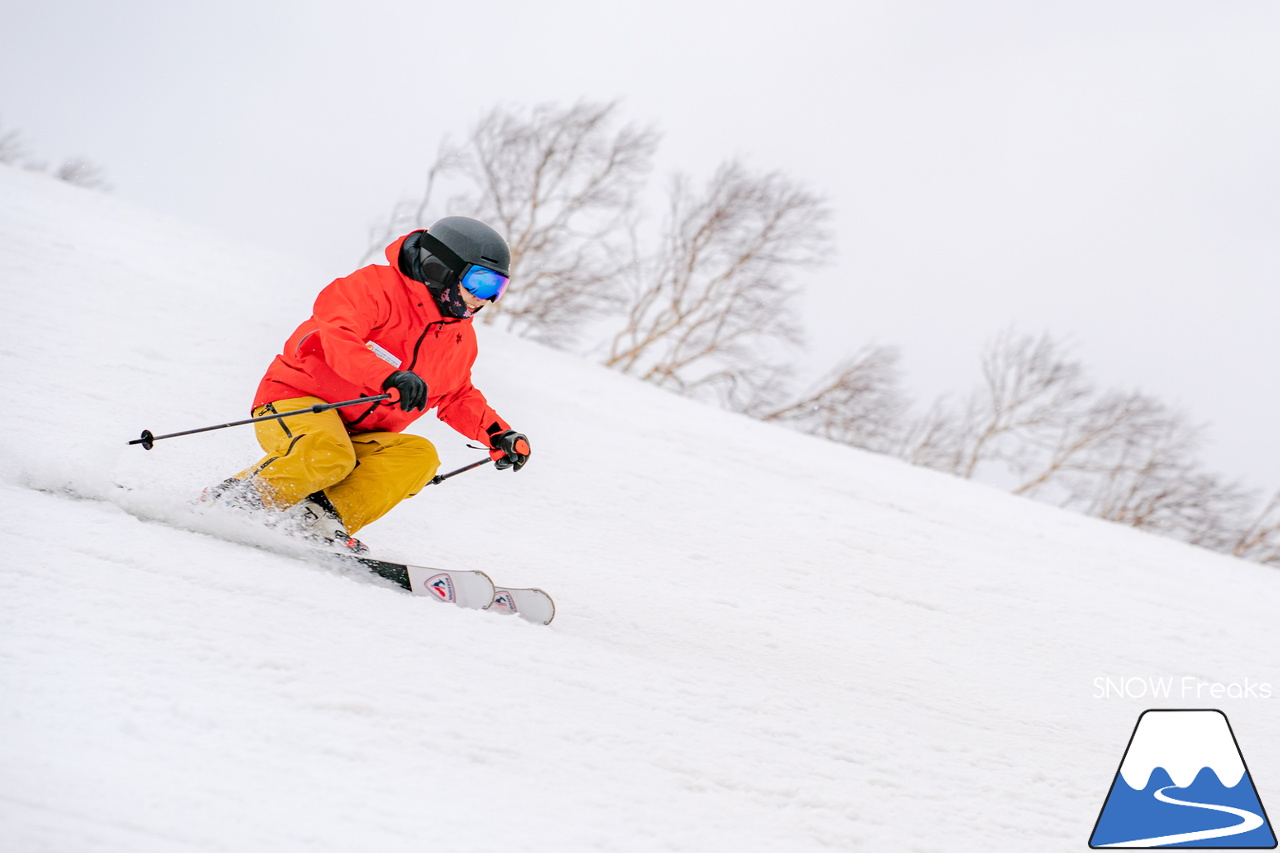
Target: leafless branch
(711, 308)
(407, 215)
(1029, 387)
(560, 183)
(859, 402)
(1151, 478)
(1260, 539)
(1082, 440)
(936, 439)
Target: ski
(532, 605)
(470, 589)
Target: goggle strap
(451, 258)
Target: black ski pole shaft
(440, 478)
(148, 440)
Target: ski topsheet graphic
(1183, 783)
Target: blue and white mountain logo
(1183, 783)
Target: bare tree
(1152, 479)
(12, 150)
(1122, 456)
(711, 309)
(76, 170)
(934, 440)
(561, 184)
(859, 402)
(1029, 387)
(82, 173)
(1082, 441)
(1260, 539)
(1131, 459)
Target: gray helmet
(459, 240)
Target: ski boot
(315, 518)
(234, 493)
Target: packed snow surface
(764, 641)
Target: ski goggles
(484, 283)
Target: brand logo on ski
(1183, 782)
(504, 602)
(440, 586)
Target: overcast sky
(1107, 171)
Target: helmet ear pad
(445, 286)
(433, 270)
(420, 265)
(412, 257)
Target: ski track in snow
(764, 641)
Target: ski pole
(440, 478)
(148, 440)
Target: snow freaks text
(1174, 687)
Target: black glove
(510, 450)
(413, 391)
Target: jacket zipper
(412, 364)
(423, 337)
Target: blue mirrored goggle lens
(484, 283)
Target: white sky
(1105, 171)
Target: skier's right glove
(510, 450)
(412, 390)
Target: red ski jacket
(364, 327)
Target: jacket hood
(417, 264)
(396, 246)
(412, 262)
(393, 248)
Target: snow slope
(764, 641)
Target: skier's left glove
(510, 450)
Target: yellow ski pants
(363, 475)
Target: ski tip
(551, 601)
(531, 605)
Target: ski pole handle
(147, 440)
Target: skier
(404, 329)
